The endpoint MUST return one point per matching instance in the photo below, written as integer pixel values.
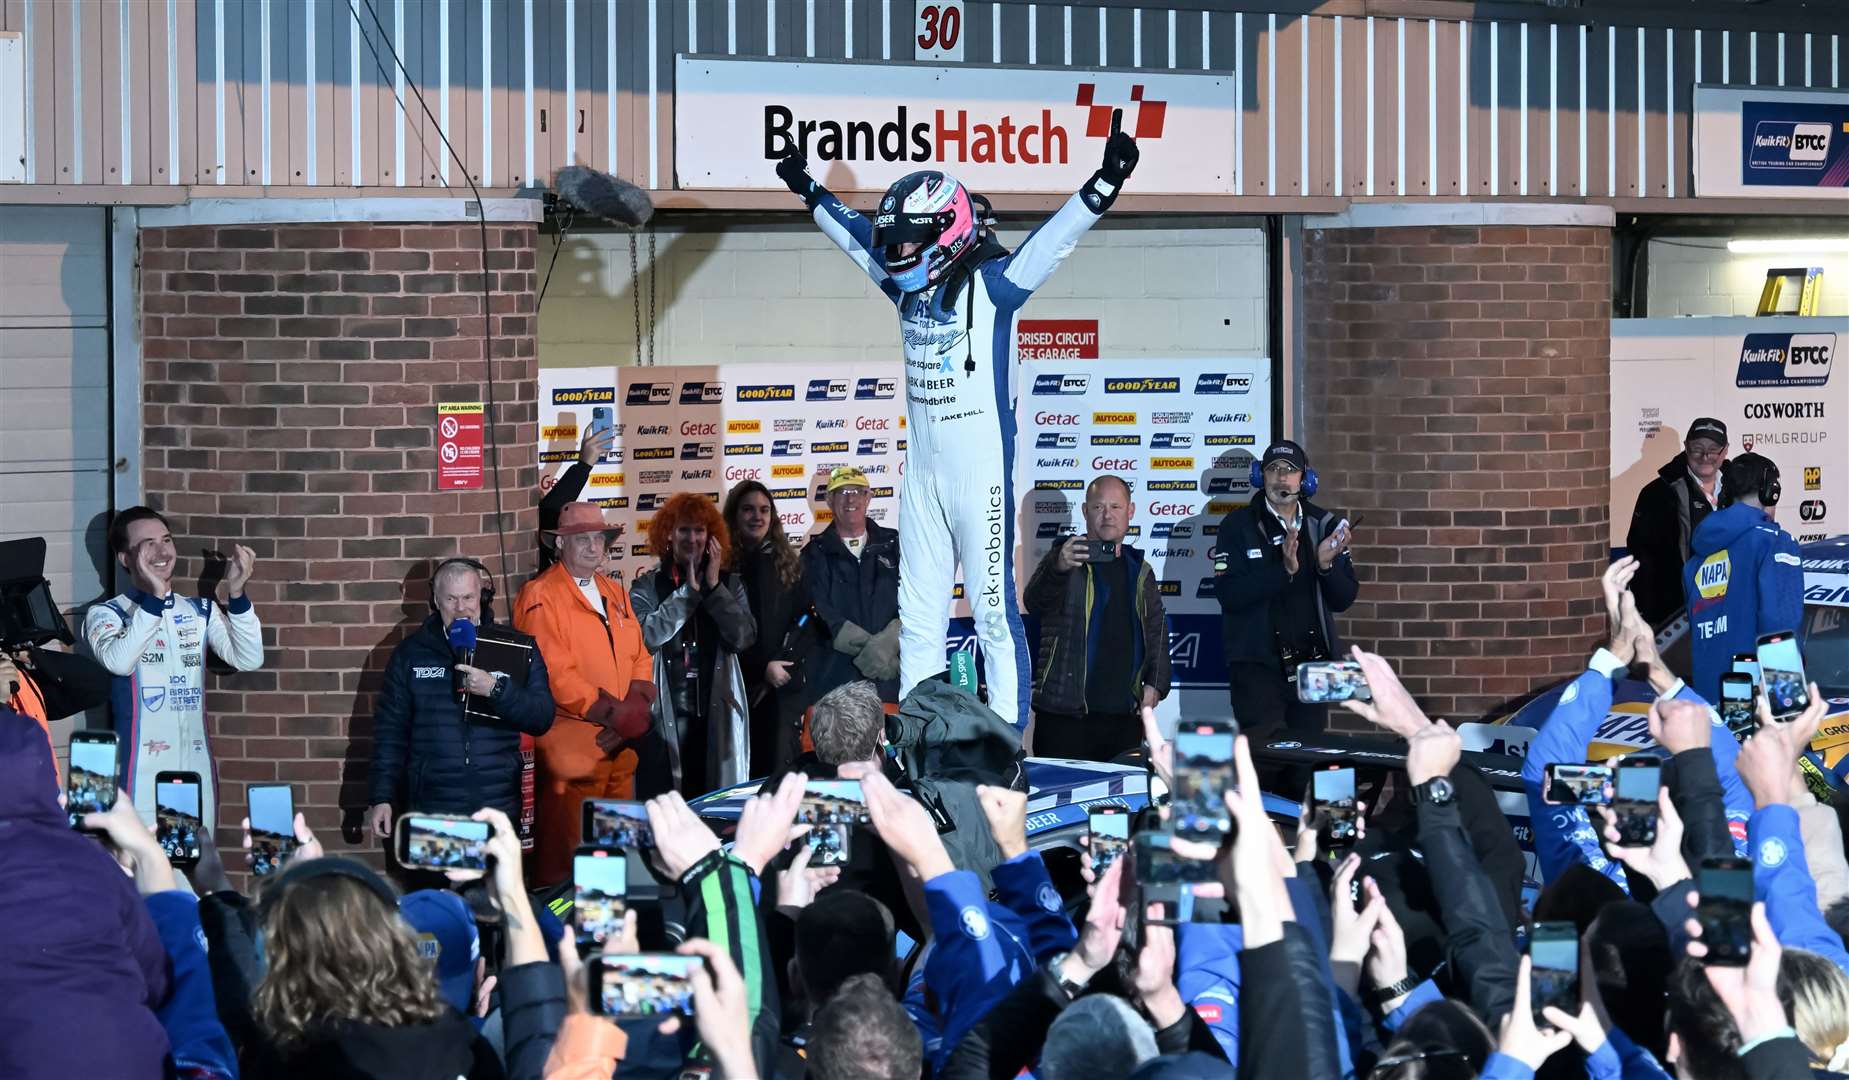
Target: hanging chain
(635, 294)
(651, 295)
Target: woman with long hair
(695, 622)
(773, 576)
(346, 993)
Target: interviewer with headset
(426, 755)
(1281, 569)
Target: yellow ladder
(1799, 282)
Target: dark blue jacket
(863, 591)
(1254, 576)
(425, 756)
(1744, 578)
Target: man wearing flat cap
(1281, 569)
(852, 568)
(1669, 508)
(601, 681)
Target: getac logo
(1223, 384)
(1056, 440)
(829, 424)
(1173, 485)
(643, 393)
(876, 389)
(696, 427)
(746, 449)
(1055, 419)
(652, 453)
(1785, 360)
(1107, 464)
(1170, 510)
(779, 392)
(1171, 440)
(743, 427)
(651, 429)
(696, 451)
(702, 393)
(828, 448)
(1050, 385)
(872, 447)
(1811, 510)
(1117, 440)
(873, 423)
(786, 448)
(1056, 463)
(1142, 386)
(827, 390)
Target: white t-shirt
(855, 544)
(588, 586)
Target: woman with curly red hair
(695, 621)
(773, 575)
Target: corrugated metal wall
(306, 93)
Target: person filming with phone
(1281, 570)
(1103, 635)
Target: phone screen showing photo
(600, 883)
(1737, 704)
(1725, 888)
(1110, 836)
(832, 809)
(1332, 793)
(1203, 776)
(90, 787)
(272, 826)
(1781, 671)
(443, 843)
(1553, 954)
(643, 985)
(176, 819)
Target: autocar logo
(1171, 463)
(643, 393)
(876, 389)
(1056, 440)
(1785, 360)
(827, 390)
(1811, 510)
(788, 472)
(1222, 383)
(743, 427)
(1049, 384)
(1116, 418)
(702, 393)
(607, 480)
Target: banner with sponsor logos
(1784, 143)
(1770, 380)
(1183, 433)
(862, 126)
(705, 428)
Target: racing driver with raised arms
(957, 290)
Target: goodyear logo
(652, 453)
(776, 392)
(639, 549)
(1171, 463)
(1173, 485)
(1142, 386)
(743, 449)
(1230, 440)
(607, 480)
(1171, 440)
(743, 427)
(702, 393)
(1813, 478)
(827, 390)
(901, 441)
(1222, 383)
(645, 393)
(1051, 440)
(1789, 144)
(876, 389)
(559, 431)
(1711, 576)
(546, 456)
(1118, 418)
(828, 447)
(1045, 484)
(1169, 588)
(880, 493)
(788, 493)
(786, 448)
(787, 472)
(1785, 360)
(1117, 440)
(613, 502)
(587, 395)
(1050, 385)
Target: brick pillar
(290, 386)
(1456, 393)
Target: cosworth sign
(863, 126)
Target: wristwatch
(1056, 968)
(1380, 995)
(501, 679)
(1436, 791)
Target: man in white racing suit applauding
(930, 250)
(154, 643)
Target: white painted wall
(749, 291)
(1700, 277)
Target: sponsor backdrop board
(704, 428)
(1184, 433)
(1770, 380)
(1784, 143)
(996, 129)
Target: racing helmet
(934, 210)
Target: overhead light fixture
(1794, 245)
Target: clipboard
(497, 649)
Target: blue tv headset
(1308, 489)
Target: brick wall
(290, 386)
(1456, 394)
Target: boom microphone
(599, 193)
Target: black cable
(481, 214)
(558, 246)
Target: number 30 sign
(938, 30)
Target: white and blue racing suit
(155, 647)
(960, 385)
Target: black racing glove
(793, 170)
(1120, 158)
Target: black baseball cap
(1707, 427)
(1287, 451)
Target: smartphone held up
(443, 842)
(90, 783)
(176, 817)
(272, 826)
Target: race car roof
(1826, 571)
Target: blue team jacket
(1744, 579)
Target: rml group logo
(1785, 360)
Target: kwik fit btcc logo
(954, 135)
(1785, 360)
(1050, 384)
(876, 389)
(826, 390)
(1046, 440)
(1789, 144)
(776, 392)
(702, 393)
(1222, 383)
(647, 393)
(585, 395)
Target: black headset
(1756, 474)
(463, 560)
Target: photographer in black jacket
(1281, 566)
(426, 755)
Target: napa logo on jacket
(1711, 577)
